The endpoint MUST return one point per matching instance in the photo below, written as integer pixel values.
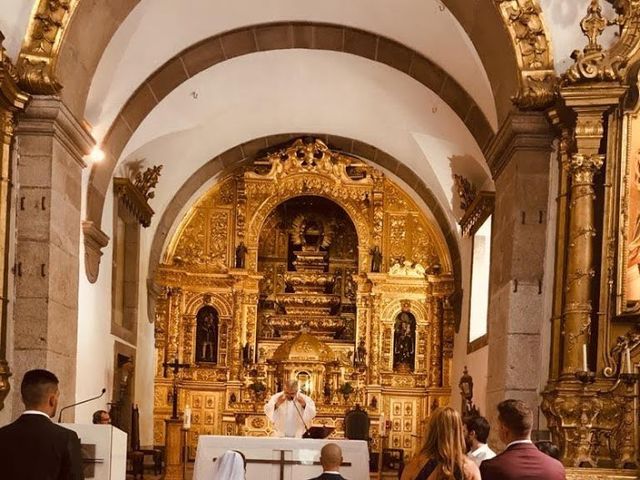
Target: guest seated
(443, 455)
(101, 417)
(521, 460)
(476, 433)
(545, 446)
(331, 459)
(230, 466)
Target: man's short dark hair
(36, 386)
(97, 416)
(516, 416)
(545, 446)
(480, 425)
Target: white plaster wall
(562, 18)
(476, 362)
(95, 355)
(141, 44)
(14, 19)
(306, 91)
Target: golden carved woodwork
(532, 48)
(596, 64)
(37, 60)
(307, 268)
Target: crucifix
(176, 366)
(282, 462)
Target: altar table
(281, 458)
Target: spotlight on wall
(96, 155)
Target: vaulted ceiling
(178, 83)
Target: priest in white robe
(290, 411)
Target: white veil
(230, 466)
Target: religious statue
(376, 259)
(360, 359)
(207, 335)
(247, 354)
(241, 253)
(466, 391)
(404, 337)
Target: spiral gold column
(577, 307)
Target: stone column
(51, 146)
(519, 158)
(12, 100)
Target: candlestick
(584, 358)
(186, 422)
(627, 356)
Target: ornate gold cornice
(134, 200)
(39, 54)
(524, 21)
(479, 210)
(12, 98)
(594, 63)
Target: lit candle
(383, 426)
(584, 358)
(627, 357)
(186, 420)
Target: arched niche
(207, 335)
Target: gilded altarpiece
(309, 257)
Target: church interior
(401, 205)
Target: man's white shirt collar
(331, 472)
(35, 412)
(483, 447)
(515, 442)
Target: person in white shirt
(476, 433)
(290, 411)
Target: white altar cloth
(305, 451)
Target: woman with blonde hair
(443, 455)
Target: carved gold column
(173, 324)
(12, 100)
(234, 338)
(562, 227)
(375, 353)
(590, 104)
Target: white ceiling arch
(306, 91)
(142, 43)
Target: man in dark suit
(521, 460)
(33, 447)
(331, 459)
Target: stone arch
(264, 37)
(242, 154)
(503, 51)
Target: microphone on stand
(80, 403)
(306, 429)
